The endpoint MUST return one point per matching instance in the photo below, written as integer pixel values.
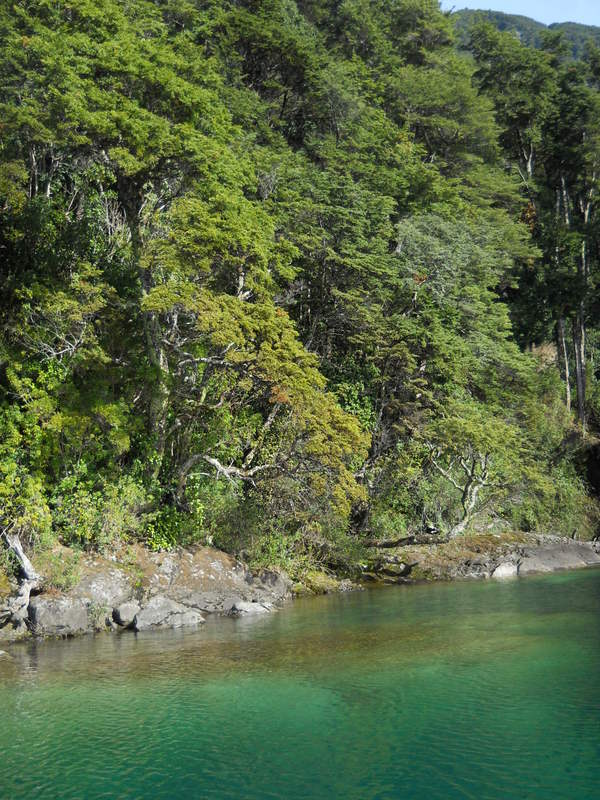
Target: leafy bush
(98, 514)
(561, 504)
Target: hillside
(528, 30)
(287, 279)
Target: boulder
(187, 619)
(278, 584)
(161, 612)
(104, 588)
(58, 616)
(242, 608)
(565, 554)
(507, 569)
(207, 602)
(205, 579)
(125, 614)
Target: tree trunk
(153, 334)
(159, 401)
(13, 543)
(579, 320)
(562, 343)
(16, 610)
(579, 347)
(469, 501)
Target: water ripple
(486, 691)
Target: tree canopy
(279, 275)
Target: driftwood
(16, 610)
(416, 539)
(389, 542)
(13, 543)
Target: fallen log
(405, 540)
(387, 543)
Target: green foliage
(23, 504)
(527, 30)
(264, 270)
(169, 526)
(558, 503)
(90, 515)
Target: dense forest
(529, 31)
(291, 277)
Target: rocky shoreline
(140, 590)
(549, 555)
(143, 591)
(480, 556)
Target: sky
(547, 11)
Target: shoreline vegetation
(308, 287)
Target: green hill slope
(528, 30)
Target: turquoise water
(466, 690)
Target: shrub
(97, 515)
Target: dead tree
(16, 610)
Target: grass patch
(59, 566)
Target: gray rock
(58, 616)
(207, 602)
(187, 619)
(242, 608)
(161, 612)
(565, 554)
(107, 588)
(348, 586)
(125, 614)
(206, 579)
(395, 570)
(277, 583)
(507, 569)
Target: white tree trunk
(565, 354)
(13, 543)
(16, 610)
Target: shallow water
(465, 690)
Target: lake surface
(465, 690)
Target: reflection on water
(482, 690)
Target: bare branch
(446, 475)
(230, 473)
